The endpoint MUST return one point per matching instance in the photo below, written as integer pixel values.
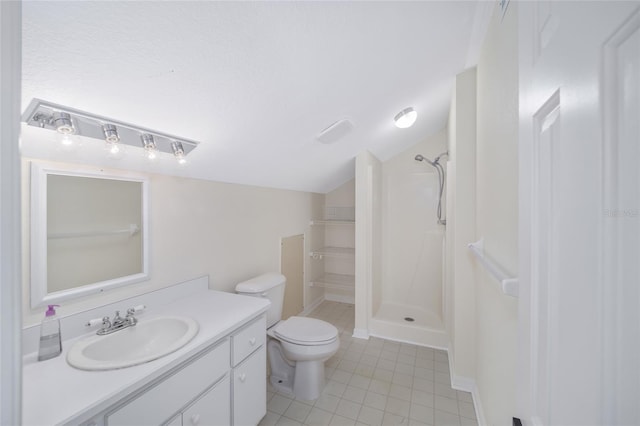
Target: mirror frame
(39, 294)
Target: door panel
(579, 141)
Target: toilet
(298, 347)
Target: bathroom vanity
(218, 378)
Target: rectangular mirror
(88, 232)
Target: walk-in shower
(436, 163)
(407, 244)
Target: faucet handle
(138, 308)
(104, 321)
(135, 309)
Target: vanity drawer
(249, 339)
(158, 403)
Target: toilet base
(282, 370)
(308, 380)
(280, 384)
(304, 379)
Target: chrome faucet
(118, 323)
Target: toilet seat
(306, 331)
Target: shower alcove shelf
(332, 249)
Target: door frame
(10, 213)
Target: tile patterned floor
(375, 382)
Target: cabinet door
(212, 408)
(250, 389)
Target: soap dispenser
(50, 341)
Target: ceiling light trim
(405, 118)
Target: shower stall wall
(404, 281)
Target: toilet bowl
(298, 347)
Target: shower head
(422, 158)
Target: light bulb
(115, 151)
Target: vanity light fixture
(405, 118)
(149, 145)
(63, 124)
(73, 123)
(178, 152)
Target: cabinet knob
(243, 377)
(252, 341)
(195, 419)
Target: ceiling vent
(335, 131)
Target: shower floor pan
(408, 323)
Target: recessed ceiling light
(405, 118)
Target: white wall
(461, 289)
(497, 214)
(10, 336)
(411, 236)
(226, 231)
(368, 224)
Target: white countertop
(56, 393)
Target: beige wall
(226, 231)
(411, 236)
(497, 214)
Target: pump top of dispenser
(51, 311)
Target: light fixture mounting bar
(43, 114)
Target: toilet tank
(270, 286)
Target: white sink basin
(148, 340)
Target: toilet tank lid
(261, 283)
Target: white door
(580, 212)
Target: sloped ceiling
(254, 82)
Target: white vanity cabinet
(219, 376)
(224, 384)
(156, 404)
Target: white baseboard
(361, 333)
(478, 406)
(340, 298)
(311, 306)
(467, 384)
